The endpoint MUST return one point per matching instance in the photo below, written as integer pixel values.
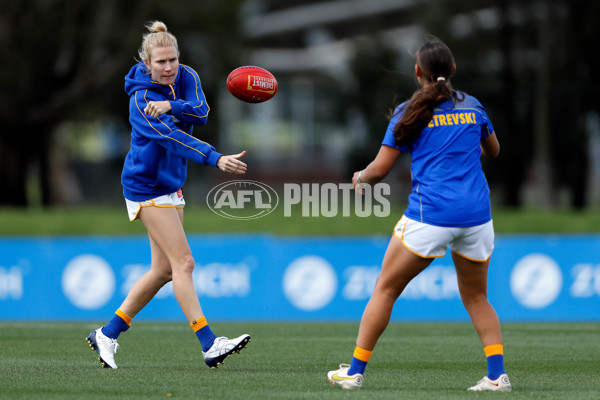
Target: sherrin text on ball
(252, 84)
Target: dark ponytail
(436, 62)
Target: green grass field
(113, 220)
(290, 361)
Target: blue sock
(359, 362)
(203, 332)
(357, 366)
(115, 326)
(495, 366)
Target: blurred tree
(63, 55)
(530, 61)
(514, 161)
(65, 60)
(575, 85)
(562, 94)
(373, 94)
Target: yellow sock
(493, 350)
(124, 316)
(359, 361)
(198, 324)
(362, 354)
(494, 354)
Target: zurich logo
(242, 199)
(536, 281)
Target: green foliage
(290, 361)
(68, 60)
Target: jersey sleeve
(486, 125)
(388, 139)
(163, 131)
(192, 108)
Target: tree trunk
(545, 193)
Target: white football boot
(340, 377)
(223, 348)
(502, 384)
(105, 347)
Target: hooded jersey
(160, 147)
(448, 185)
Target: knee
(388, 288)
(185, 265)
(470, 300)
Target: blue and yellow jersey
(448, 185)
(160, 147)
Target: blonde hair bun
(156, 26)
(158, 36)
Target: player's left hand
(358, 185)
(232, 164)
(157, 108)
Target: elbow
(491, 154)
(491, 151)
(495, 152)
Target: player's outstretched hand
(358, 185)
(232, 164)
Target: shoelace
(112, 343)
(221, 342)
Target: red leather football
(252, 84)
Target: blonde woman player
(166, 101)
(445, 132)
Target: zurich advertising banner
(264, 277)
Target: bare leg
(399, 267)
(171, 260)
(149, 284)
(472, 284)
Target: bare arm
(378, 168)
(490, 147)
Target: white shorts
(168, 200)
(474, 243)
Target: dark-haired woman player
(445, 132)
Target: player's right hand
(232, 164)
